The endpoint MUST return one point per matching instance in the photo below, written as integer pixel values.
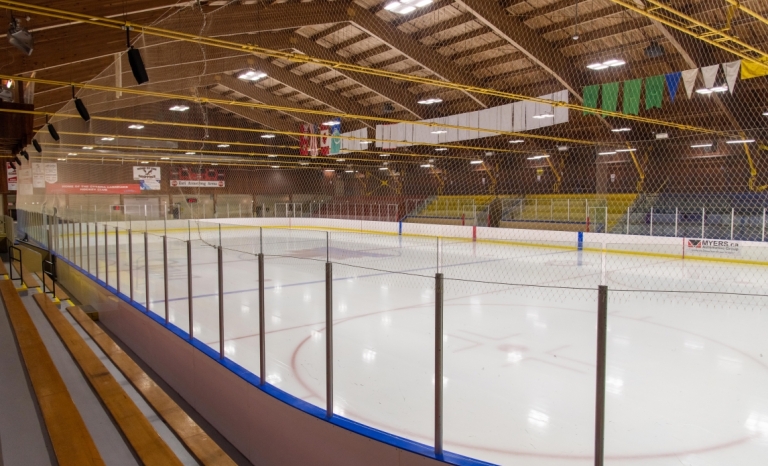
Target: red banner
(85, 188)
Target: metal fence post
(676, 216)
(702, 221)
(87, 247)
(439, 364)
(221, 302)
(763, 238)
(732, 215)
(190, 297)
(328, 339)
(651, 221)
(602, 331)
(80, 230)
(117, 257)
(628, 220)
(146, 269)
(165, 279)
(262, 326)
(106, 254)
(96, 246)
(130, 264)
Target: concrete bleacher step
(202, 447)
(148, 446)
(68, 434)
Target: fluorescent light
(107, 139)
(349, 171)
(303, 163)
(383, 168)
(383, 155)
(431, 160)
(537, 157)
(607, 153)
(620, 130)
(278, 166)
(332, 123)
(765, 113)
(189, 153)
(341, 160)
(271, 156)
(425, 165)
(475, 162)
(223, 145)
(433, 100)
(179, 108)
(267, 136)
(165, 158)
(214, 164)
(252, 75)
(562, 148)
(625, 150)
(329, 170)
(72, 153)
(136, 127)
(62, 160)
(543, 115)
(365, 142)
(87, 147)
(441, 149)
(439, 131)
(606, 64)
(516, 141)
(699, 146)
(740, 141)
(144, 162)
(712, 90)
(662, 135)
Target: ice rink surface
(687, 370)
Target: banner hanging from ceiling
(87, 188)
(148, 178)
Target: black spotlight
(134, 59)
(37, 146)
(25, 154)
(80, 107)
(53, 132)
(13, 165)
(17, 159)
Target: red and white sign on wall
(87, 188)
(13, 180)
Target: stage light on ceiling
(252, 75)
(52, 131)
(25, 154)
(17, 158)
(80, 106)
(136, 127)
(431, 101)
(38, 148)
(179, 108)
(267, 136)
(20, 38)
(135, 61)
(13, 164)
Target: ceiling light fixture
(517, 141)
(37, 146)
(404, 7)
(543, 115)
(271, 156)
(267, 136)
(349, 171)
(383, 168)
(189, 153)
(383, 155)
(712, 90)
(20, 38)
(136, 127)
(80, 106)
(303, 163)
(252, 75)
(765, 113)
(179, 108)
(439, 131)
(144, 162)
(607, 153)
(365, 142)
(165, 158)
(341, 160)
(537, 157)
(223, 145)
(62, 160)
(87, 147)
(621, 130)
(426, 165)
(441, 149)
(72, 153)
(625, 150)
(740, 141)
(329, 170)
(107, 139)
(701, 146)
(278, 166)
(214, 164)
(25, 154)
(476, 162)
(433, 100)
(331, 123)
(135, 61)
(562, 148)
(606, 64)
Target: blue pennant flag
(673, 81)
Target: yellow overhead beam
(301, 58)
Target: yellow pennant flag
(751, 69)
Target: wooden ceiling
(530, 47)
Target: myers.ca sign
(720, 246)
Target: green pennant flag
(591, 94)
(610, 96)
(632, 96)
(654, 91)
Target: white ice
(687, 373)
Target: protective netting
(495, 143)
